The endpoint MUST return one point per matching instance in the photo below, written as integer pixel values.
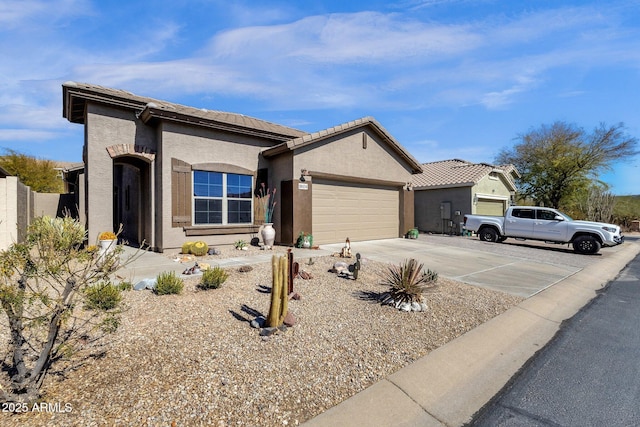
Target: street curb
(450, 384)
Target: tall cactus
(279, 297)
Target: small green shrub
(199, 248)
(213, 278)
(304, 240)
(102, 296)
(186, 247)
(168, 283)
(240, 244)
(408, 281)
(125, 286)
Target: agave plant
(408, 281)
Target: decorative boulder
(290, 319)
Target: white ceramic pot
(268, 234)
(107, 246)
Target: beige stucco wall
(196, 146)
(345, 155)
(106, 127)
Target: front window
(222, 198)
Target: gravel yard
(193, 358)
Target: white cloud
(25, 135)
(19, 13)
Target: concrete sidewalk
(449, 385)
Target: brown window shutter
(180, 193)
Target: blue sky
(447, 78)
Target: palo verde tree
(558, 160)
(55, 296)
(39, 174)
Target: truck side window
(522, 213)
(547, 215)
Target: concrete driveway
(512, 267)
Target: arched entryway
(131, 195)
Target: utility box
(445, 210)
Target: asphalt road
(588, 375)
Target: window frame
(225, 199)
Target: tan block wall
(8, 211)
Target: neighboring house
(447, 190)
(170, 174)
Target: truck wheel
(586, 245)
(488, 235)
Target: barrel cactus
(186, 247)
(199, 248)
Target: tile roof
(76, 94)
(457, 173)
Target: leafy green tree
(39, 174)
(55, 298)
(556, 161)
(627, 209)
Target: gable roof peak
(312, 138)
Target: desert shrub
(45, 281)
(125, 286)
(186, 247)
(168, 283)
(199, 248)
(408, 281)
(102, 296)
(213, 278)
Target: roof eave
(443, 186)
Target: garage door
(490, 207)
(359, 212)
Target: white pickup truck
(546, 224)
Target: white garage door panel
(357, 212)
